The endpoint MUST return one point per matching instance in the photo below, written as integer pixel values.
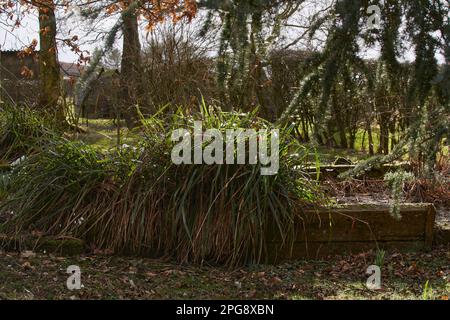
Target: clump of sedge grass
(52, 189)
(22, 130)
(136, 201)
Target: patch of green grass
(103, 134)
(328, 155)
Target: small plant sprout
(379, 259)
(427, 293)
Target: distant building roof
(68, 69)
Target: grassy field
(404, 276)
(103, 135)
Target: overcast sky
(20, 37)
(16, 39)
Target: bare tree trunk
(50, 85)
(339, 122)
(132, 94)
(392, 133)
(384, 135)
(342, 135)
(305, 130)
(369, 137)
(363, 141)
(352, 138)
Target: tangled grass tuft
(22, 130)
(135, 201)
